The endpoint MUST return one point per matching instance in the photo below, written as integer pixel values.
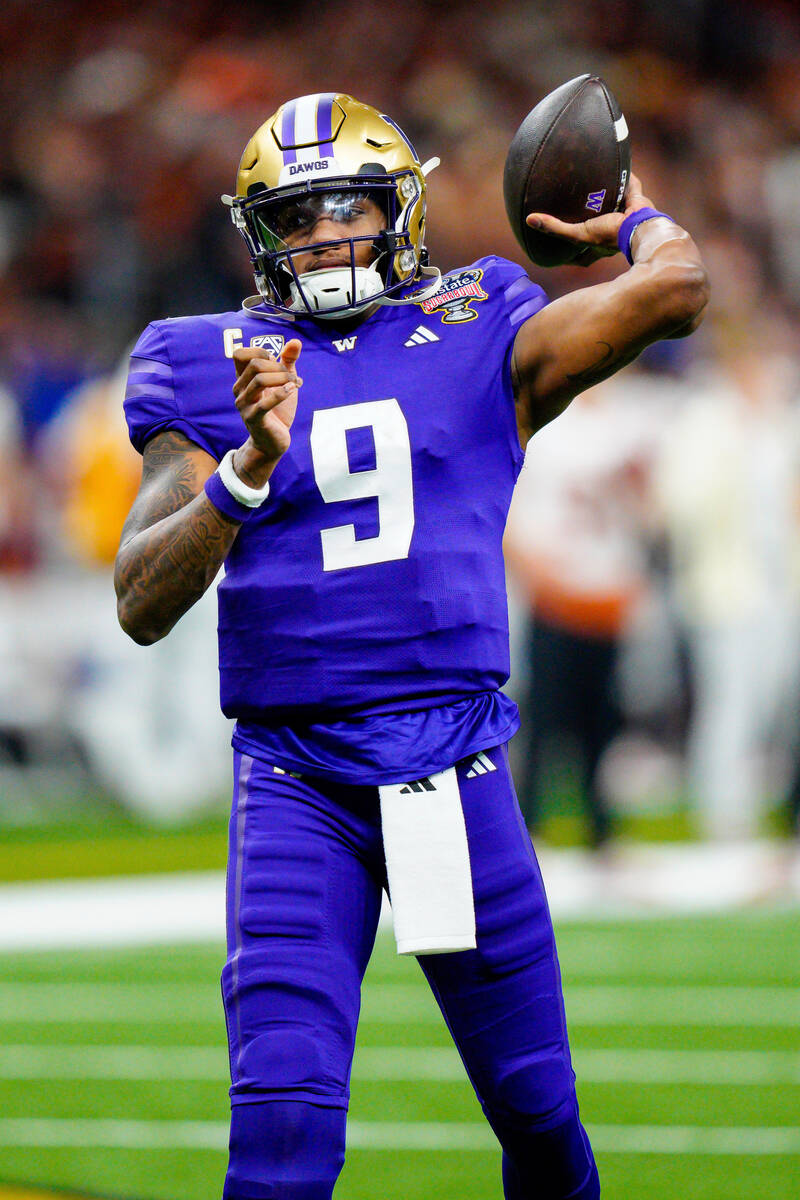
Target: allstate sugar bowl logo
(453, 299)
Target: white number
(389, 481)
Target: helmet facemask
(359, 268)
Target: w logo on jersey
(595, 200)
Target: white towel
(427, 863)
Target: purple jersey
(363, 624)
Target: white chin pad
(332, 288)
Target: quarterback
(355, 488)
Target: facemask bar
(274, 267)
(316, 291)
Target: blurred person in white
(17, 555)
(728, 483)
(577, 547)
(161, 752)
(17, 535)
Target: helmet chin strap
(432, 273)
(332, 288)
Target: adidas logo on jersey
(481, 766)
(421, 336)
(419, 785)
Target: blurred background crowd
(654, 543)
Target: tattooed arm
(584, 337)
(173, 541)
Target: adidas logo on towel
(481, 766)
(419, 785)
(420, 336)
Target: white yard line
(728, 1067)
(631, 1004)
(141, 1003)
(147, 909)
(167, 1063)
(636, 881)
(657, 1004)
(388, 1135)
(394, 1063)
(403, 1003)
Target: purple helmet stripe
(325, 124)
(287, 131)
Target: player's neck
(346, 324)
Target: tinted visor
(284, 221)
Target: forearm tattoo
(173, 543)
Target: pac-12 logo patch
(271, 342)
(456, 293)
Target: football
(570, 157)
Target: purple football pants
(305, 876)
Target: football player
(356, 493)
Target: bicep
(588, 335)
(174, 470)
(574, 343)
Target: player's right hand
(266, 397)
(599, 234)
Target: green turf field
(686, 1038)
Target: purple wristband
(221, 498)
(631, 222)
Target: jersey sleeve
(523, 298)
(151, 400)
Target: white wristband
(250, 497)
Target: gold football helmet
(315, 158)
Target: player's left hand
(598, 234)
(266, 397)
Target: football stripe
(287, 132)
(325, 124)
(514, 289)
(529, 307)
(160, 390)
(150, 366)
(621, 129)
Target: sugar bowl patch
(455, 295)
